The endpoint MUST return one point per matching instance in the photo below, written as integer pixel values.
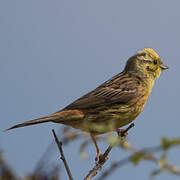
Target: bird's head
(146, 63)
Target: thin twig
(113, 167)
(146, 153)
(104, 157)
(116, 165)
(127, 129)
(99, 164)
(59, 143)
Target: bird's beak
(163, 67)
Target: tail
(35, 121)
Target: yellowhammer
(115, 103)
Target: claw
(122, 132)
(99, 154)
(100, 158)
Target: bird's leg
(97, 148)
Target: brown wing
(120, 89)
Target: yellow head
(146, 63)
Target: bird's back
(113, 104)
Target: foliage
(157, 155)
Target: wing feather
(121, 89)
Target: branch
(98, 165)
(146, 154)
(59, 144)
(116, 165)
(104, 157)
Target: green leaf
(124, 144)
(167, 143)
(112, 140)
(174, 169)
(156, 172)
(135, 159)
(167, 167)
(162, 161)
(82, 150)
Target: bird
(115, 103)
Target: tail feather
(62, 117)
(34, 121)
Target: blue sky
(52, 52)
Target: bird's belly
(104, 122)
(124, 120)
(115, 118)
(107, 120)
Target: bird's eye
(155, 61)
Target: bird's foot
(122, 133)
(99, 154)
(100, 157)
